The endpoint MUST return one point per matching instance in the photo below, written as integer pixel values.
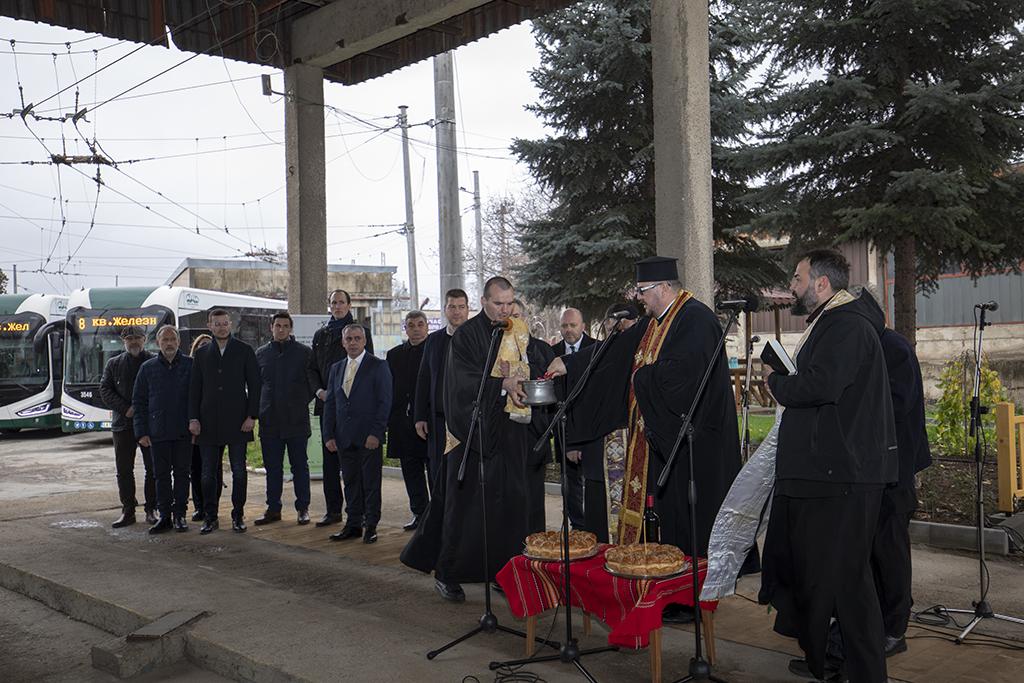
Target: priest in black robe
(647, 379)
(453, 548)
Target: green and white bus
(96, 316)
(31, 344)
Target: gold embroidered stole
(634, 489)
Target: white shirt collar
(358, 359)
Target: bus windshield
(94, 337)
(20, 365)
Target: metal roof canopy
(351, 40)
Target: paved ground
(283, 607)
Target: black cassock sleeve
(603, 405)
(665, 389)
(463, 370)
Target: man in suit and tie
(223, 405)
(574, 339)
(356, 409)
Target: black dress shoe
(413, 523)
(150, 517)
(329, 519)
(126, 519)
(894, 646)
(180, 525)
(267, 518)
(209, 526)
(303, 517)
(237, 525)
(197, 516)
(370, 535)
(677, 614)
(450, 591)
(800, 668)
(160, 527)
(347, 533)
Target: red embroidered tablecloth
(631, 607)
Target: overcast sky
(226, 185)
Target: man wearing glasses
(646, 380)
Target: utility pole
(449, 221)
(479, 234)
(15, 278)
(410, 237)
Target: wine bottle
(652, 525)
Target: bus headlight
(34, 410)
(70, 414)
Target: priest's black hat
(656, 269)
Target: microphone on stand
(501, 324)
(748, 304)
(988, 306)
(624, 314)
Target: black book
(777, 358)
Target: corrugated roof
(259, 32)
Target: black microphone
(749, 304)
(501, 324)
(624, 314)
(988, 306)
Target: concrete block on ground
(958, 537)
(125, 659)
(164, 625)
(227, 662)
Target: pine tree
(596, 88)
(899, 126)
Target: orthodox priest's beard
(805, 304)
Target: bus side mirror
(39, 341)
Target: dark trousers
(197, 478)
(574, 482)
(595, 509)
(168, 457)
(890, 564)
(535, 496)
(411, 451)
(212, 457)
(361, 470)
(332, 477)
(124, 462)
(273, 461)
(436, 440)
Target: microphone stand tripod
(488, 621)
(745, 428)
(982, 610)
(569, 652)
(700, 668)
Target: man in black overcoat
(403, 442)
(836, 454)
(224, 403)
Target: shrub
(953, 412)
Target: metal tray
(638, 577)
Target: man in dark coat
(160, 400)
(646, 380)
(116, 391)
(574, 339)
(403, 441)
(284, 416)
(429, 405)
(224, 402)
(449, 540)
(355, 418)
(836, 454)
(326, 351)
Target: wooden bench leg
(708, 621)
(531, 634)
(586, 624)
(654, 645)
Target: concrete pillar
(682, 141)
(306, 189)
(449, 218)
